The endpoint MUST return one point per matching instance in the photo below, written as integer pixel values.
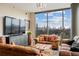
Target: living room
(39, 29)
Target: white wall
(75, 19)
(7, 10)
(31, 17)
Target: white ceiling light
(40, 5)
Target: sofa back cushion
(52, 38)
(41, 38)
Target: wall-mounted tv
(13, 26)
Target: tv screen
(22, 26)
(7, 25)
(15, 26)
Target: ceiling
(31, 7)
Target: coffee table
(43, 46)
(46, 49)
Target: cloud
(42, 24)
(55, 21)
(45, 14)
(53, 13)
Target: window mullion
(62, 24)
(47, 24)
(63, 19)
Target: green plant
(29, 32)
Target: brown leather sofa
(16, 50)
(48, 39)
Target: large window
(54, 22)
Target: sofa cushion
(46, 37)
(65, 47)
(52, 38)
(41, 38)
(74, 53)
(64, 53)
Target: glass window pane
(15, 26)
(55, 22)
(67, 23)
(8, 25)
(22, 26)
(41, 23)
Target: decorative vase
(29, 39)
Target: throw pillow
(52, 37)
(41, 38)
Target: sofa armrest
(74, 49)
(64, 53)
(69, 42)
(65, 41)
(74, 53)
(36, 40)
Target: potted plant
(29, 33)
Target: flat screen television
(13, 26)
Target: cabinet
(17, 39)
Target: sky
(54, 18)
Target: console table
(17, 39)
